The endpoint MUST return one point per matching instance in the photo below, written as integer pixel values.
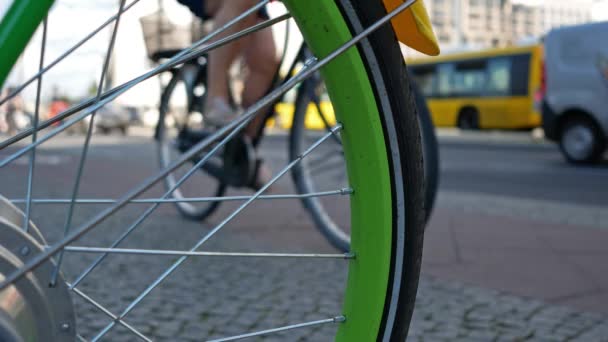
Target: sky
(70, 20)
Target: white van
(575, 102)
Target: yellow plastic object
(313, 121)
(413, 27)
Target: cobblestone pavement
(219, 297)
(449, 311)
(208, 297)
(214, 297)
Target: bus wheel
(468, 119)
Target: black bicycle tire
(430, 149)
(186, 210)
(389, 61)
(388, 74)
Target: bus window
(520, 75)
(499, 77)
(469, 78)
(444, 79)
(425, 77)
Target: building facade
(488, 23)
(556, 13)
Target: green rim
(350, 90)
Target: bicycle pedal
(188, 138)
(239, 161)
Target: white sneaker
(219, 113)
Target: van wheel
(468, 119)
(581, 142)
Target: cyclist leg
(220, 60)
(262, 62)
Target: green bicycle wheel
(369, 88)
(372, 98)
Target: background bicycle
(306, 113)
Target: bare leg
(262, 63)
(259, 52)
(222, 58)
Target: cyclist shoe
(219, 113)
(242, 166)
(262, 175)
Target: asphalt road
(520, 170)
(220, 297)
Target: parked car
(108, 118)
(113, 117)
(575, 102)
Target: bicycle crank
(237, 166)
(30, 310)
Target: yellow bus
(285, 110)
(491, 89)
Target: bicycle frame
(301, 57)
(413, 28)
(16, 29)
(277, 81)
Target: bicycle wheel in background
(180, 114)
(430, 151)
(327, 167)
(312, 174)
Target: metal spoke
(32, 162)
(215, 230)
(218, 134)
(161, 252)
(184, 56)
(65, 54)
(341, 192)
(110, 314)
(338, 319)
(228, 132)
(87, 141)
(233, 132)
(195, 150)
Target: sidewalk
(562, 264)
(451, 311)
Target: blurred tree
(92, 90)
